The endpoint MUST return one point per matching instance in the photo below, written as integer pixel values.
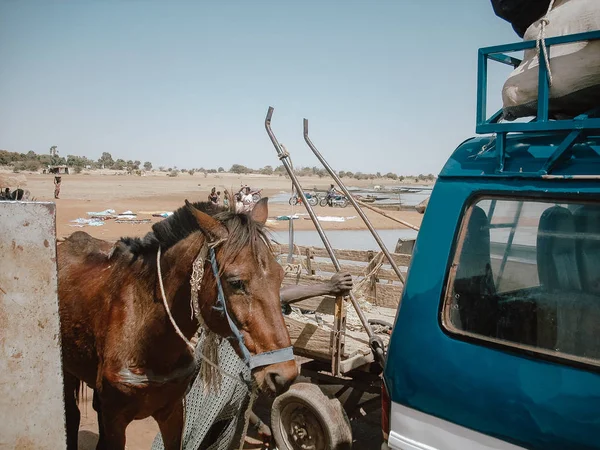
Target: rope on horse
(178, 330)
(253, 394)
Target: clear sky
(387, 85)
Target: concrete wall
(31, 395)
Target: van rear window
(526, 274)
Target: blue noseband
(253, 361)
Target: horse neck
(176, 271)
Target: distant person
(331, 193)
(5, 194)
(219, 198)
(57, 183)
(212, 197)
(226, 199)
(247, 199)
(239, 205)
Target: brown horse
(116, 334)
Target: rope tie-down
(540, 42)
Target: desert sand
(155, 193)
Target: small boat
(366, 199)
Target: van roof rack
(571, 129)
(589, 120)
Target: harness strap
(253, 361)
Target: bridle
(252, 361)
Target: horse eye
(237, 285)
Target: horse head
(246, 278)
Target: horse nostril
(278, 383)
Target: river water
(385, 197)
(347, 239)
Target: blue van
(496, 344)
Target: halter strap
(253, 361)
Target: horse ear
(208, 224)
(260, 212)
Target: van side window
(526, 274)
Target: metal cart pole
(375, 342)
(353, 201)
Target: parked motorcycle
(337, 200)
(313, 200)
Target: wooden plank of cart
(329, 338)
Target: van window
(526, 274)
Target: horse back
(82, 290)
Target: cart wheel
(256, 197)
(323, 202)
(306, 419)
(313, 201)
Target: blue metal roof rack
(573, 128)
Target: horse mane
(243, 231)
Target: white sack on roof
(575, 67)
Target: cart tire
(256, 197)
(344, 202)
(293, 201)
(323, 202)
(306, 419)
(313, 201)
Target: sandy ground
(85, 193)
(158, 193)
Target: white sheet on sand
(334, 218)
(106, 212)
(90, 222)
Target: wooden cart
(334, 349)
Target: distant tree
(31, 165)
(119, 164)
(267, 170)
(173, 173)
(191, 171)
(238, 168)
(76, 161)
(78, 169)
(136, 164)
(148, 165)
(220, 170)
(106, 160)
(391, 176)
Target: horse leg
(73, 416)
(114, 426)
(114, 415)
(97, 405)
(171, 421)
